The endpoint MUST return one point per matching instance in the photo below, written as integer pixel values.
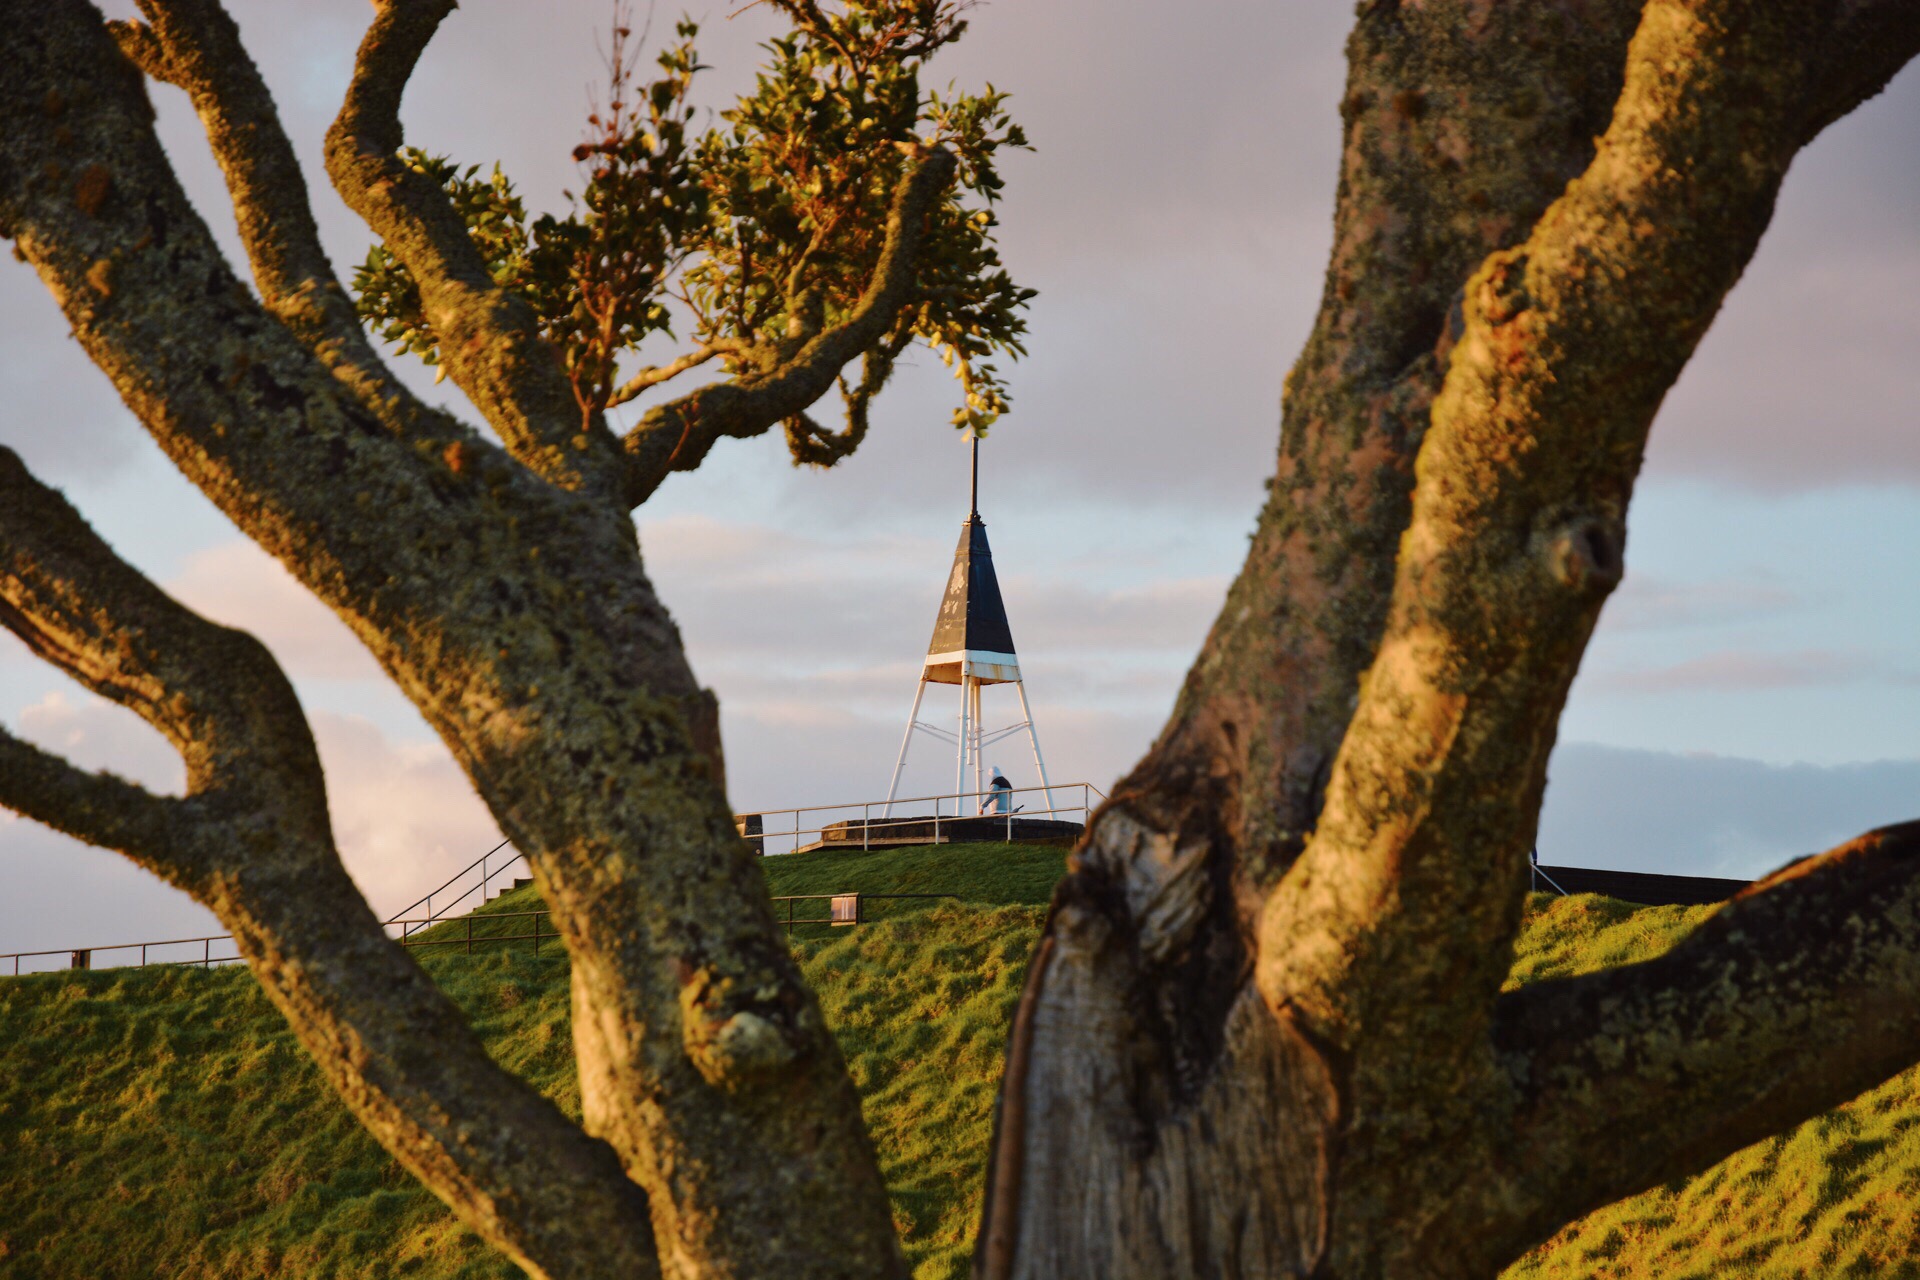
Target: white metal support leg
(1033, 739)
(960, 767)
(913, 721)
(979, 747)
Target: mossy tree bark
(503, 590)
(1264, 1033)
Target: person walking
(999, 797)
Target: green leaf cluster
(757, 232)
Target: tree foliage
(758, 231)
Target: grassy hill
(164, 1122)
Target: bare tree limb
(816, 446)
(1533, 83)
(98, 808)
(1272, 693)
(195, 45)
(490, 341)
(1570, 341)
(677, 436)
(1794, 997)
(252, 841)
(653, 376)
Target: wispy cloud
(1648, 602)
(1746, 671)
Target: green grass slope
(1832, 1198)
(163, 1122)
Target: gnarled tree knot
(1587, 553)
(1162, 881)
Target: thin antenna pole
(973, 494)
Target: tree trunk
(1258, 1035)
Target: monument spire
(972, 647)
(973, 492)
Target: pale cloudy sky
(1752, 694)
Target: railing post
(206, 953)
(866, 826)
(469, 933)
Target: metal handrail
(436, 915)
(945, 795)
(485, 878)
(873, 827)
(207, 959)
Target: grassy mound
(164, 1121)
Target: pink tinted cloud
(404, 816)
(239, 585)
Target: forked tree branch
(253, 842)
(1570, 341)
(489, 338)
(195, 45)
(517, 615)
(677, 436)
(1390, 937)
(1520, 91)
(1791, 999)
(1465, 123)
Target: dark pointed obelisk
(972, 647)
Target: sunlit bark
(1338, 816)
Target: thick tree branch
(1462, 123)
(1383, 949)
(1390, 936)
(1791, 999)
(490, 341)
(252, 841)
(195, 45)
(1570, 341)
(99, 808)
(677, 436)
